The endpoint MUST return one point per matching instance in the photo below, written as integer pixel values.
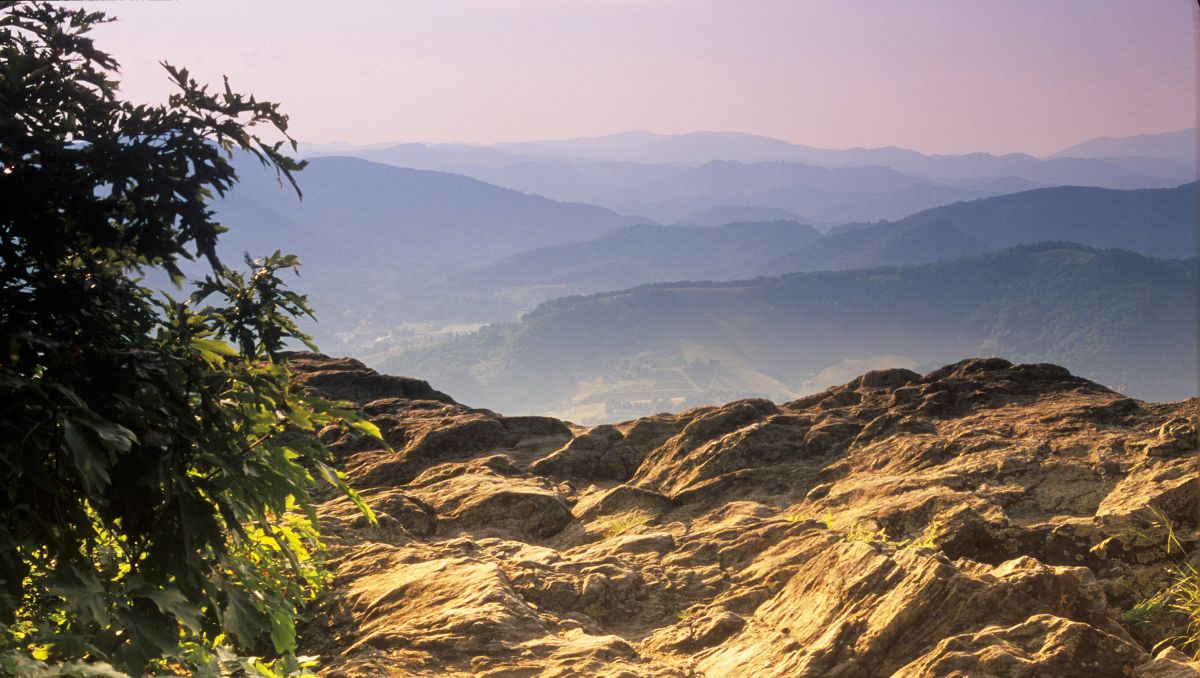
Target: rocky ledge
(986, 519)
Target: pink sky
(940, 76)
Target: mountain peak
(1179, 146)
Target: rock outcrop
(986, 519)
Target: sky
(939, 76)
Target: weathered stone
(985, 519)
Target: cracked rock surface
(985, 519)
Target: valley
(528, 304)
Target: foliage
(868, 531)
(156, 460)
(1171, 614)
(1182, 596)
(1185, 599)
(826, 519)
(1146, 611)
(621, 524)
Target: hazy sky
(942, 76)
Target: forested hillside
(1113, 315)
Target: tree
(156, 461)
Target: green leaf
(329, 474)
(338, 480)
(361, 504)
(115, 437)
(241, 618)
(367, 428)
(91, 457)
(300, 418)
(214, 346)
(171, 601)
(94, 444)
(283, 631)
(213, 351)
(83, 592)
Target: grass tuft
(867, 531)
(1180, 599)
(1146, 612)
(1183, 594)
(623, 523)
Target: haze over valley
(410, 250)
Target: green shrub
(155, 458)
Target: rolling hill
(392, 253)
(367, 231)
(1158, 222)
(633, 255)
(731, 214)
(1109, 314)
(436, 214)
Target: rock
(349, 379)
(891, 379)
(412, 514)
(575, 655)
(1170, 663)
(853, 609)
(1171, 487)
(1176, 436)
(450, 608)
(1043, 645)
(709, 629)
(967, 368)
(477, 501)
(535, 426)
(461, 436)
(621, 499)
(985, 519)
(655, 542)
(1070, 592)
(593, 455)
(831, 434)
(740, 435)
(393, 509)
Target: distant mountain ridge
(699, 147)
(1158, 222)
(431, 214)
(392, 254)
(732, 214)
(824, 194)
(668, 177)
(646, 253)
(1179, 145)
(368, 232)
(643, 146)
